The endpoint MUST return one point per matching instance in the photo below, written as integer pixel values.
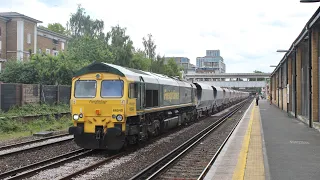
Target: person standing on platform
(257, 99)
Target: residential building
(211, 63)
(20, 37)
(184, 62)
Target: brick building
(20, 36)
(295, 82)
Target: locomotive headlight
(119, 117)
(75, 116)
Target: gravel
(35, 144)
(66, 169)
(27, 138)
(127, 166)
(200, 156)
(29, 157)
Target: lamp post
(309, 1)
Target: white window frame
(47, 51)
(55, 53)
(0, 46)
(29, 38)
(62, 46)
(0, 66)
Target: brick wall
(14, 94)
(277, 86)
(280, 98)
(298, 70)
(284, 94)
(12, 39)
(314, 80)
(28, 29)
(3, 28)
(47, 43)
(290, 83)
(31, 93)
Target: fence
(14, 94)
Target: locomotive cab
(98, 107)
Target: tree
(120, 45)
(139, 61)
(81, 24)
(90, 49)
(57, 27)
(149, 47)
(171, 68)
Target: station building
(294, 82)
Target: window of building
(48, 51)
(62, 46)
(29, 38)
(55, 53)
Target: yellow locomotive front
(98, 106)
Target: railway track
(29, 170)
(156, 169)
(104, 161)
(33, 144)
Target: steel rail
(159, 166)
(34, 147)
(207, 168)
(26, 174)
(32, 141)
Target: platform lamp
(309, 1)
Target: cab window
(112, 88)
(133, 90)
(85, 89)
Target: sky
(246, 32)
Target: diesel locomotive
(113, 106)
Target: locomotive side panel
(185, 95)
(170, 95)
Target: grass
(35, 109)
(14, 129)
(11, 128)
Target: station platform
(268, 144)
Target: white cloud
(247, 32)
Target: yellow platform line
(255, 165)
(242, 160)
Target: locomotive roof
(131, 73)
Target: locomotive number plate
(117, 110)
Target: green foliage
(149, 47)
(171, 68)
(121, 45)
(35, 109)
(82, 24)
(139, 61)
(44, 69)
(10, 127)
(13, 128)
(57, 27)
(88, 43)
(87, 49)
